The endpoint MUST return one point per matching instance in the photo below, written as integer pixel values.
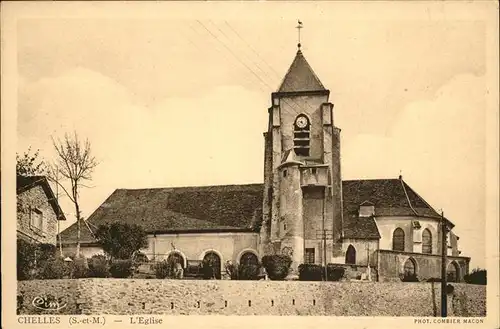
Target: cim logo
(49, 303)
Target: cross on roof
(298, 27)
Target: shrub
(120, 268)
(247, 272)
(25, 260)
(409, 278)
(79, 268)
(45, 252)
(54, 268)
(477, 276)
(277, 266)
(208, 271)
(98, 267)
(162, 270)
(335, 272)
(311, 272)
(434, 280)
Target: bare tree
(75, 163)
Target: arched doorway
(175, 257)
(409, 271)
(350, 255)
(249, 258)
(452, 272)
(212, 265)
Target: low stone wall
(182, 297)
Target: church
(303, 208)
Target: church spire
(300, 76)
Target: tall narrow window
(398, 240)
(301, 135)
(350, 255)
(309, 259)
(426, 242)
(36, 219)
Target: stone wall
(36, 199)
(427, 266)
(182, 297)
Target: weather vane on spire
(298, 27)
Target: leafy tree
(477, 276)
(120, 240)
(30, 164)
(75, 163)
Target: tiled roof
(24, 183)
(389, 198)
(186, 209)
(239, 208)
(300, 77)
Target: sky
(182, 101)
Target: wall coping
(410, 253)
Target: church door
(212, 260)
(350, 255)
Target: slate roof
(229, 208)
(25, 183)
(300, 77)
(391, 197)
(238, 208)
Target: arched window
(301, 135)
(398, 240)
(350, 255)
(212, 261)
(426, 241)
(452, 272)
(249, 258)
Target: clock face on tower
(301, 122)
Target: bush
(79, 268)
(162, 270)
(335, 272)
(55, 268)
(247, 272)
(477, 276)
(25, 260)
(98, 267)
(45, 252)
(208, 271)
(121, 268)
(434, 280)
(311, 272)
(409, 278)
(277, 266)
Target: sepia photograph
(282, 159)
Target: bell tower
(302, 210)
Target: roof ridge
(188, 187)
(370, 179)
(422, 199)
(407, 198)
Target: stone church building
(303, 208)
